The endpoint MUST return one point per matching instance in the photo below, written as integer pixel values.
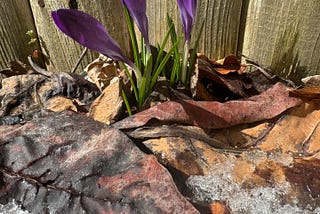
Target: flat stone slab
(68, 163)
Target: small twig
(195, 151)
(262, 69)
(37, 96)
(38, 69)
(266, 72)
(263, 134)
(84, 52)
(303, 150)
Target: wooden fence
(282, 35)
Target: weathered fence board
(284, 35)
(221, 29)
(15, 20)
(63, 51)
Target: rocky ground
(59, 153)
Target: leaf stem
(84, 52)
(185, 63)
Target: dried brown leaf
(60, 103)
(101, 71)
(213, 115)
(298, 133)
(208, 84)
(109, 106)
(308, 93)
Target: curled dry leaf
(101, 71)
(312, 81)
(16, 68)
(307, 93)
(25, 93)
(60, 103)
(229, 64)
(109, 106)
(207, 84)
(213, 115)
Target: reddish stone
(147, 175)
(68, 163)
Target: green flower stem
(145, 87)
(126, 102)
(193, 55)
(163, 62)
(133, 39)
(135, 90)
(184, 70)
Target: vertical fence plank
(62, 51)
(15, 20)
(285, 36)
(221, 29)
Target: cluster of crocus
(90, 33)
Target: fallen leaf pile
(238, 142)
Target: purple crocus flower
(187, 13)
(89, 32)
(137, 10)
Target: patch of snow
(12, 208)
(219, 185)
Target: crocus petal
(89, 32)
(187, 13)
(137, 10)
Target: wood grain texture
(63, 51)
(221, 29)
(284, 35)
(15, 20)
